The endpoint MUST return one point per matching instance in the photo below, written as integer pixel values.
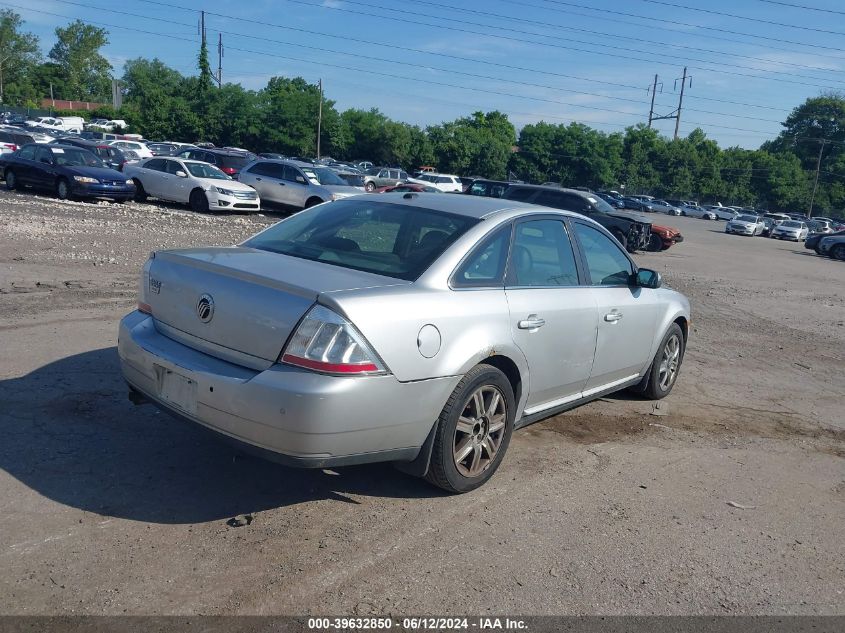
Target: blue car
(66, 170)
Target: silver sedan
(420, 329)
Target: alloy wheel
(669, 362)
(479, 431)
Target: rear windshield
(235, 162)
(383, 238)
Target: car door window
(606, 261)
(485, 266)
(260, 169)
(27, 153)
(156, 164)
(43, 155)
(171, 167)
(291, 173)
(542, 255)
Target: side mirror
(647, 278)
(181, 174)
(300, 180)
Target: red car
(662, 237)
(409, 186)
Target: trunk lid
(241, 300)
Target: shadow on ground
(70, 433)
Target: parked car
(376, 177)
(822, 227)
(663, 237)
(198, 184)
(353, 179)
(768, 226)
(139, 148)
(612, 200)
(307, 342)
(447, 183)
(163, 149)
(633, 231)
(272, 156)
(12, 118)
(112, 156)
(51, 123)
(812, 241)
(230, 162)
(409, 187)
(488, 188)
(66, 170)
(363, 165)
(790, 230)
(745, 225)
(832, 246)
(722, 213)
(661, 206)
(637, 205)
(295, 185)
(12, 139)
(694, 211)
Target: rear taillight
(10, 146)
(326, 342)
(229, 170)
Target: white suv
(444, 182)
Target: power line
(444, 55)
(488, 14)
(697, 26)
(446, 70)
(802, 6)
(382, 16)
(742, 17)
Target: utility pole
(202, 26)
(816, 183)
(681, 101)
(220, 59)
(653, 92)
(319, 117)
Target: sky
(749, 62)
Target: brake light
(10, 146)
(326, 342)
(229, 170)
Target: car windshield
(382, 238)
(323, 176)
(748, 218)
(600, 204)
(204, 170)
(76, 158)
(353, 180)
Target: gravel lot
(731, 501)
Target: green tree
(19, 54)
(85, 73)
(480, 144)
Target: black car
(636, 205)
(67, 170)
(113, 157)
(229, 161)
(812, 242)
(487, 188)
(164, 149)
(10, 118)
(632, 230)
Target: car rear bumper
(289, 414)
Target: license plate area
(177, 390)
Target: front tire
(655, 243)
(140, 192)
(198, 202)
(838, 252)
(661, 376)
(370, 187)
(63, 189)
(473, 431)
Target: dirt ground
(732, 500)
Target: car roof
(470, 206)
(578, 192)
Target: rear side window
(386, 239)
(608, 265)
(235, 162)
(156, 164)
(485, 266)
(542, 255)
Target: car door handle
(258, 179)
(531, 323)
(612, 317)
(281, 184)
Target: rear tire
(370, 187)
(838, 252)
(140, 192)
(665, 367)
(11, 180)
(198, 201)
(473, 431)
